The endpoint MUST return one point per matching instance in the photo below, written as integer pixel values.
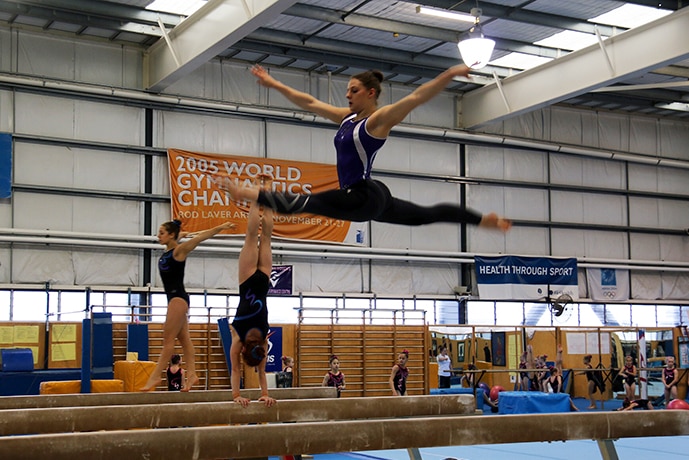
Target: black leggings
(366, 200)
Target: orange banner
(199, 204)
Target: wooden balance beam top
(251, 441)
(157, 397)
(123, 417)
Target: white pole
(643, 382)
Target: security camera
(461, 290)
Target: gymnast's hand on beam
(243, 401)
(268, 400)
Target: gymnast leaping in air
(364, 128)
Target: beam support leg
(607, 449)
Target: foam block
(532, 402)
(134, 374)
(74, 386)
(16, 359)
(461, 391)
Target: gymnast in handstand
(250, 325)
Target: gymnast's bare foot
(151, 385)
(191, 381)
(236, 191)
(492, 220)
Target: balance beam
(124, 417)
(157, 397)
(251, 441)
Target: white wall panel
(58, 212)
(334, 90)
(100, 63)
(204, 82)
(644, 246)
(643, 135)
(582, 243)
(526, 166)
(45, 55)
(6, 50)
(434, 279)
(532, 125)
(161, 178)
(508, 164)
(486, 199)
(674, 139)
(108, 267)
(643, 212)
(566, 126)
(331, 276)
(74, 167)
(675, 286)
(6, 111)
(570, 242)
(6, 213)
(674, 248)
(44, 115)
(435, 237)
(573, 170)
(590, 208)
(77, 119)
(439, 111)
(39, 211)
(208, 134)
(526, 204)
(654, 213)
(527, 241)
(237, 83)
(57, 57)
(658, 179)
(425, 157)
(210, 272)
(5, 263)
(40, 265)
(292, 142)
(646, 285)
(485, 162)
(397, 278)
(614, 131)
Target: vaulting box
(74, 386)
(134, 374)
(16, 359)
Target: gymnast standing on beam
(364, 128)
(171, 265)
(250, 325)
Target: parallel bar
(348, 436)
(67, 420)
(157, 397)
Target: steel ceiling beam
(216, 26)
(627, 55)
(414, 30)
(108, 15)
(507, 13)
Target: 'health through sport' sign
(526, 278)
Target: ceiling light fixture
(679, 106)
(445, 14)
(476, 50)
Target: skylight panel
(568, 40)
(630, 15)
(181, 7)
(520, 61)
